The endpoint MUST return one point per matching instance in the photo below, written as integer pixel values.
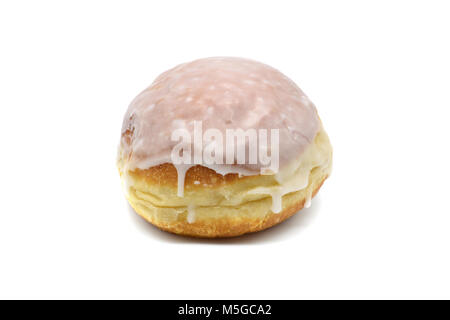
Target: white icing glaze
(181, 172)
(223, 93)
(298, 181)
(191, 213)
(277, 196)
(309, 196)
(308, 200)
(295, 176)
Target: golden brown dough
(222, 205)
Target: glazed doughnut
(232, 195)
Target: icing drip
(295, 177)
(181, 171)
(224, 93)
(289, 182)
(308, 200)
(276, 201)
(191, 213)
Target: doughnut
(220, 147)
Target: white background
(378, 72)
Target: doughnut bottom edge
(233, 220)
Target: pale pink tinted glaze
(223, 93)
